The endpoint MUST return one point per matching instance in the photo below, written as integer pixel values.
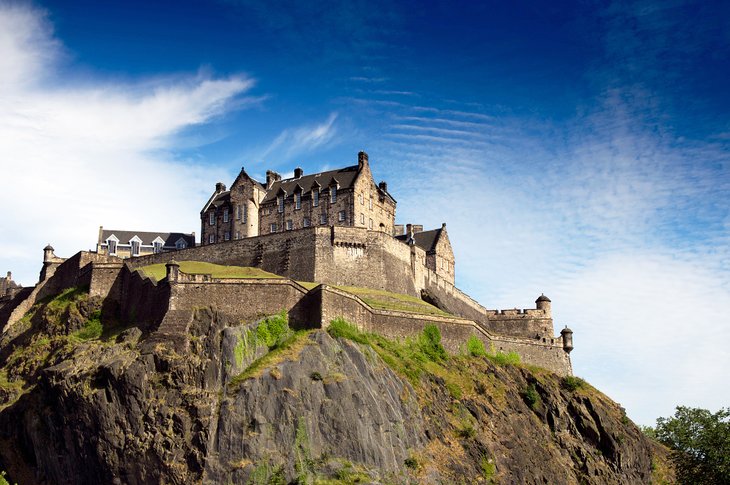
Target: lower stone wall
(143, 302)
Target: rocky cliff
(86, 399)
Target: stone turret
(48, 255)
(173, 271)
(567, 335)
(543, 303)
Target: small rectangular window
(370, 225)
(112, 246)
(289, 225)
(135, 248)
(156, 247)
(212, 218)
(315, 197)
(323, 218)
(280, 203)
(341, 216)
(211, 238)
(227, 236)
(225, 215)
(298, 200)
(371, 202)
(238, 213)
(359, 196)
(307, 222)
(238, 235)
(245, 214)
(273, 227)
(362, 219)
(333, 194)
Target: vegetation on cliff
(259, 403)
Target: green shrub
(339, 327)
(430, 343)
(572, 383)
(531, 397)
(273, 330)
(488, 469)
(454, 390)
(411, 463)
(91, 330)
(509, 358)
(315, 376)
(467, 430)
(475, 347)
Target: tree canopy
(700, 443)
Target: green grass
(91, 330)
(502, 358)
(159, 271)
(572, 383)
(288, 349)
(475, 347)
(385, 300)
(309, 285)
(410, 358)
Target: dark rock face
(115, 412)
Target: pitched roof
(345, 177)
(425, 240)
(170, 238)
(220, 199)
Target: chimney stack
(298, 172)
(271, 177)
(362, 159)
(220, 187)
(383, 186)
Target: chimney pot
(362, 159)
(298, 172)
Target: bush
(429, 343)
(531, 397)
(509, 358)
(572, 383)
(92, 329)
(475, 347)
(411, 463)
(273, 330)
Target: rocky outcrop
(229, 410)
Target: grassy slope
(159, 272)
(386, 300)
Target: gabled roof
(170, 238)
(425, 240)
(343, 177)
(242, 175)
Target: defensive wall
(352, 256)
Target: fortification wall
(143, 302)
(455, 332)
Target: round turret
(173, 270)
(543, 303)
(48, 253)
(567, 335)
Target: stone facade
(344, 197)
(128, 244)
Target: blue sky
(576, 149)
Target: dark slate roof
(170, 238)
(345, 178)
(224, 198)
(425, 240)
(542, 298)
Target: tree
(700, 443)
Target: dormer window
(135, 245)
(280, 203)
(211, 218)
(181, 244)
(225, 215)
(298, 200)
(315, 197)
(112, 246)
(157, 245)
(333, 194)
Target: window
(333, 194)
(227, 236)
(212, 218)
(238, 213)
(315, 197)
(341, 216)
(181, 244)
(245, 214)
(135, 248)
(323, 218)
(225, 215)
(370, 225)
(273, 227)
(238, 235)
(362, 201)
(307, 222)
(289, 225)
(156, 247)
(112, 244)
(362, 219)
(371, 202)
(211, 238)
(280, 203)
(298, 200)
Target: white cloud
(96, 153)
(302, 139)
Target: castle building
(127, 244)
(8, 287)
(343, 197)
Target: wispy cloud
(301, 140)
(79, 155)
